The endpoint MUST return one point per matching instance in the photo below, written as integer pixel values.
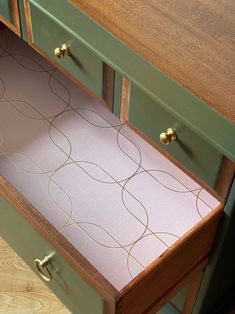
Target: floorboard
(21, 291)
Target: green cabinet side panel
(70, 288)
(22, 20)
(176, 99)
(189, 149)
(5, 10)
(50, 33)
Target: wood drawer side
(169, 269)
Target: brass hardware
(167, 137)
(43, 265)
(61, 52)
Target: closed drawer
(75, 293)
(117, 211)
(48, 34)
(5, 10)
(191, 150)
(9, 15)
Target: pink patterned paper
(114, 197)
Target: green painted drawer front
(189, 149)
(5, 10)
(71, 289)
(49, 33)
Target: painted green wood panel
(70, 288)
(5, 10)
(22, 20)
(219, 279)
(186, 107)
(49, 33)
(189, 149)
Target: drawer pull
(61, 52)
(42, 264)
(167, 137)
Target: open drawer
(95, 197)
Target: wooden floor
(21, 291)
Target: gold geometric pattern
(114, 197)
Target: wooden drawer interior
(104, 191)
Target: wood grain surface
(21, 291)
(193, 41)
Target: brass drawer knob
(167, 137)
(61, 52)
(41, 265)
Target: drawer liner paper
(115, 198)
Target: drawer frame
(188, 255)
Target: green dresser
(80, 46)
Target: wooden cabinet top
(192, 41)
